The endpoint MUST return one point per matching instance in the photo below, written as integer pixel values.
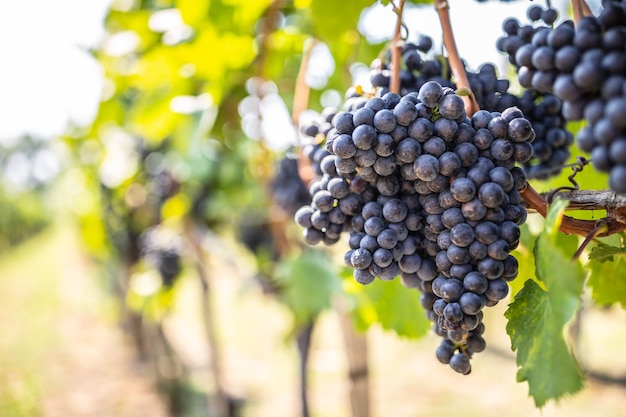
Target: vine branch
(614, 222)
(581, 9)
(269, 25)
(456, 64)
(396, 48)
(302, 90)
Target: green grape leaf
(608, 272)
(389, 304)
(386, 2)
(539, 313)
(603, 252)
(193, 12)
(308, 282)
(332, 19)
(526, 268)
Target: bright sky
(47, 78)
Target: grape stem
(600, 227)
(615, 206)
(302, 90)
(300, 103)
(396, 49)
(196, 234)
(581, 9)
(456, 64)
(269, 26)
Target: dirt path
(63, 355)
(78, 362)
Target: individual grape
(382, 257)
(471, 303)
(312, 236)
(384, 146)
(430, 94)
(434, 146)
(363, 276)
(474, 210)
(451, 107)
(426, 167)
(462, 234)
(405, 113)
(388, 238)
(475, 282)
(408, 150)
(534, 12)
(394, 210)
(389, 273)
(361, 258)
(497, 290)
(458, 255)
(384, 120)
(374, 226)
(463, 189)
(364, 136)
(475, 343)
(491, 194)
(460, 363)
(491, 268)
(445, 351)
(451, 290)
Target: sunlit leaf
(537, 317)
(607, 280)
(390, 304)
(309, 284)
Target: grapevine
(427, 173)
(440, 189)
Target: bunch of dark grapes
(288, 190)
(161, 251)
(316, 130)
(584, 65)
(551, 148)
(492, 93)
(417, 69)
(541, 107)
(430, 195)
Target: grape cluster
(551, 148)
(161, 251)
(288, 190)
(585, 67)
(541, 107)
(430, 195)
(416, 69)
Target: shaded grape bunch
(429, 195)
(551, 148)
(416, 69)
(540, 106)
(288, 189)
(585, 67)
(317, 130)
(162, 252)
